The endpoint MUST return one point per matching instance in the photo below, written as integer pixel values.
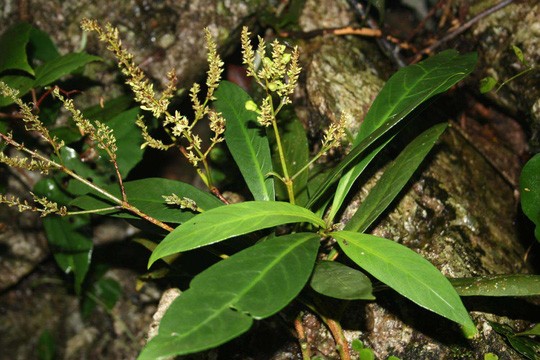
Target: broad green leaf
(413, 85)
(71, 249)
(110, 109)
(246, 140)
(529, 184)
(498, 285)
(339, 281)
(345, 182)
(296, 151)
(487, 84)
(229, 221)
(50, 189)
(394, 179)
(54, 69)
(72, 160)
(222, 301)
(147, 196)
(402, 93)
(407, 273)
(528, 347)
(41, 46)
(13, 44)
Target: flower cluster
(334, 134)
(31, 120)
(45, 207)
(25, 163)
(178, 126)
(277, 74)
(183, 202)
(99, 133)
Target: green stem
(95, 211)
(315, 158)
(514, 77)
(286, 178)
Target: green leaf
(13, 44)
(41, 46)
(498, 285)
(534, 331)
(487, 84)
(407, 273)
(344, 185)
(246, 140)
(147, 196)
(71, 249)
(72, 160)
(490, 356)
(50, 189)
(110, 108)
(366, 354)
(394, 179)
(529, 184)
(54, 69)
(526, 346)
(357, 345)
(229, 221)
(296, 151)
(413, 85)
(519, 54)
(46, 346)
(339, 281)
(104, 292)
(222, 301)
(402, 93)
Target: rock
(23, 245)
(161, 34)
(493, 37)
(42, 302)
(458, 213)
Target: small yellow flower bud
(267, 62)
(251, 106)
(286, 58)
(273, 86)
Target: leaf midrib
(389, 263)
(229, 305)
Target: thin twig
(125, 205)
(462, 28)
(348, 30)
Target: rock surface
(458, 212)
(517, 24)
